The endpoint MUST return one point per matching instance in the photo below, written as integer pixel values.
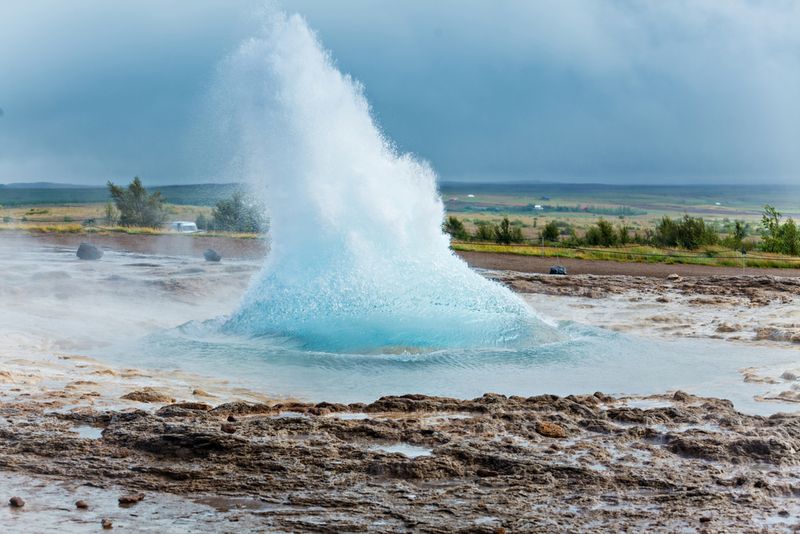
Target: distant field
(531, 206)
(195, 195)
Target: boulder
(558, 269)
(211, 255)
(87, 251)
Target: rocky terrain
(737, 308)
(413, 463)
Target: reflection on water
(584, 361)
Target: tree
(136, 207)
(688, 232)
(602, 234)
(112, 215)
(485, 231)
(783, 238)
(551, 231)
(238, 215)
(455, 228)
(202, 222)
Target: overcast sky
(615, 91)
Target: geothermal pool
(149, 311)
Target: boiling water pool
(586, 360)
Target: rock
(485, 473)
(231, 419)
(558, 269)
(16, 502)
(681, 396)
(212, 255)
(550, 430)
(228, 428)
(106, 523)
(674, 277)
(725, 328)
(87, 251)
(83, 505)
(147, 394)
(201, 393)
(133, 498)
(789, 376)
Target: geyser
(358, 260)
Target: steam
(358, 259)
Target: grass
(38, 228)
(715, 256)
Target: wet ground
(409, 463)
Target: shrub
(689, 233)
(236, 214)
(485, 231)
(551, 231)
(202, 222)
(782, 238)
(455, 228)
(137, 207)
(505, 234)
(602, 234)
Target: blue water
(584, 360)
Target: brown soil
(492, 464)
(535, 264)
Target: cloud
(554, 89)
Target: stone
(133, 498)
(789, 376)
(228, 428)
(558, 269)
(212, 255)
(550, 430)
(16, 502)
(83, 505)
(106, 523)
(231, 419)
(87, 251)
(674, 277)
(147, 394)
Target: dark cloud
(552, 89)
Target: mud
(491, 464)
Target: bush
(455, 228)
(602, 234)
(689, 233)
(782, 238)
(202, 222)
(136, 207)
(238, 215)
(551, 231)
(485, 231)
(505, 234)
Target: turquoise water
(584, 360)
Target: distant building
(184, 227)
(538, 207)
(470, 196)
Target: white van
(183, 227)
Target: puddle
(344, 416)
(289, 415)
(406, 449)
(88, 432)
(646, 404)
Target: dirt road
(535, 264)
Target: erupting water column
(358, 260)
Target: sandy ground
(208, 456)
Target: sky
(616, 91)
